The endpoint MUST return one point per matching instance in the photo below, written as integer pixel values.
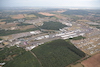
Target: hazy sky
(50, 3)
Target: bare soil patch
(27, 27)
(46, 14)
(8, 25)
(19, 16)
(93, 61)
(1, 23)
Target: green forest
(23, 24)
(24, 60)
(10, 52)
(58, 53)
(17, 57)
(52, 25)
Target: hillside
(76, 12)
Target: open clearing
(46, 14)
(93, 61)
(19, 16)
(1, 23)
(27, 27)
(8, 25)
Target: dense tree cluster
(23, 24)
(17, 57)
(24, 60)
(6, 52)
(52, 25)
(58, 53)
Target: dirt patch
(1, 23)
(27, 27)
(93, 61)
(19, 16)
(46, 14)
(8, 25)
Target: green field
(17, 57)
(52, 25)
(9, 32)
(57, 53)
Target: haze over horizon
(51, 3)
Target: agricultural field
(1, 23)
(8, 25)
(46, 14)
(57, 53)
(19, 16)
(29, 16)
(37, 15)
(51, 15)
(93, 61)
(9, 32)
(27, 27)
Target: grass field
(57, 53)
(32, 15)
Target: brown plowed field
(49, 14)
(93, 61)
(19, 16)
(46, 14)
